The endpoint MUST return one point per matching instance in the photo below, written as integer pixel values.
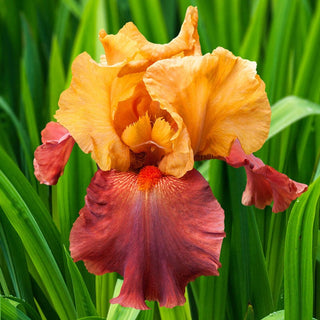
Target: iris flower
(146, 112)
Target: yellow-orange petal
(186, 43)
(162, 134)
(138, 134)
(131, 46)
(218, 96)
(87, 106)
(128, 111)
(180, 160)
(124, 45)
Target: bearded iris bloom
(146, 112)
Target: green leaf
(247, 271)
(36, 246)
(23, 138)
(290, 110)
(251, 44)
(56, 77)
(29, 110)
(13, 252)
(157, 23)
(118, 312)
(87, 34)
(278, 315)
(84, 305)
(34, 203)
(138, 9)
(74, 7)
(91, 318)
(307, 80)
(298, 263)
(26, 307)
(105, 286)
(3, 284)
(113, 19)
(278, 48)
(9, 312)
(32, 68)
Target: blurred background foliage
(270, 261)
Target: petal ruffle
(88, 106)
(264, 183)
(180, 160)
(131, 46)
(159, 232)
(51, 157)
(219, 97)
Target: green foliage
(269, 261)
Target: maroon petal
(264, 184)
(159, 232)
(51, 157)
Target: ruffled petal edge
(159, 232)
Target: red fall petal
(159, 232)
(51, 157)
(264, 184)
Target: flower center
(148, 177)
(152, 138)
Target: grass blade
(307, 74)
(105, 288)
(87, 34)
(21, 218)
(9, 312)
(56, 77)
(84, 305)
(251, 45)
(24, 141)
(289, 110)
(298, 263)
(34, 203)
(13, 252)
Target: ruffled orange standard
(131, 46)
(159, 232)
(219, 98)
(51, 157)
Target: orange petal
(51, 157)
(131, 46)
(88, 106)
(122, 46)
(159, 232)
(129, 111)
(187, 41)
(180, 160)
(218, 96)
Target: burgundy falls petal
(51, 157)
(159, 232)
(264, 183)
